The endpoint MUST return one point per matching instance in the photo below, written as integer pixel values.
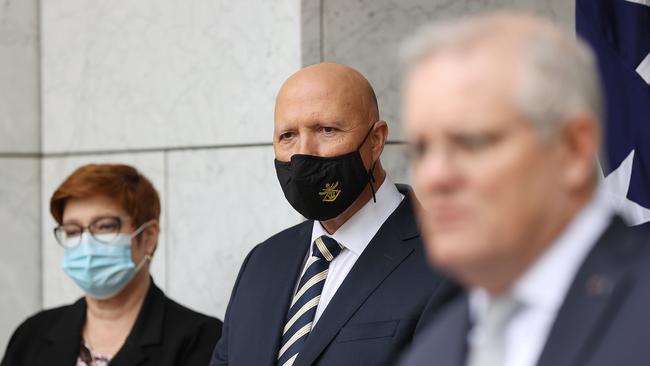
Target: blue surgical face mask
(102, 270)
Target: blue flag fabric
(619, 33)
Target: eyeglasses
(103, 229)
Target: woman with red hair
(108, 225)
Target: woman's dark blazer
(164, 334)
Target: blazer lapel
(382, 255)
(147, 330)
(601, 283)
(446, 339)
(282, 279)
(129, 355)
(64, 338)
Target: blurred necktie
(488, 345)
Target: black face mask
(321, 188)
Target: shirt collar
(547, 281)
(356, 233)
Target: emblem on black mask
(330, 192)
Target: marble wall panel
(150, 73)
(221, 203)
(58, 289)
(366, 34)
(20, 261)
(19, 77)
(311, 12)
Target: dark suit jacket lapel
(601, 283)
(64, 338)
(146, 331)
(446, 340)
(382, 255)
(288, 260)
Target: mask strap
(371, 175)
(145, 259)
(367, 134)
(371, 180)
(141, 229)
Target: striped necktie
(303, 306)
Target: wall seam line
(14, 155)
(166, 217)
(322, 30)
(40, 114)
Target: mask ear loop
(371, 171)
(371, 180)
(147, 257)
(139, 230)
(366, 137)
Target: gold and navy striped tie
(303, 306)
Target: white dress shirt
(354, 235)
(543, 287)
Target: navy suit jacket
(387, 295)
(602, 321)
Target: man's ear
(580, 139)
(378, 138)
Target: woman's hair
(122, 183)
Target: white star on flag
(644, 67)
(642, 2)
(615, 187)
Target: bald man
(502, 112)
(350, 285)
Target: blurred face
(484, 178)
(86, 211)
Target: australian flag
(619, 33)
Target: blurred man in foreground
(503, 114)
